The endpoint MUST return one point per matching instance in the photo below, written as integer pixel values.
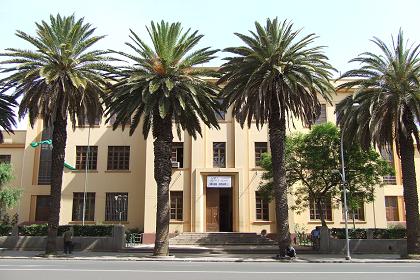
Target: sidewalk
(205, 257)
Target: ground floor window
(176, 205)
(78, 202)
(391, 208)
(116, 208)
(261, 207)
(356, 208)
(314, 213)
(42, 209)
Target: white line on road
(211, 271)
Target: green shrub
(5, 230)
(34, 230)
(79, 230)
(378, 233)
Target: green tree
(387, 87)
(7, 116)
(60, 79)
(271, 79)
(312, 169)
(161, 90)
(9, 196)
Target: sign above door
(221, 182)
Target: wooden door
(212, 210)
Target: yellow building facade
(214, 185)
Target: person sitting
(291, 252)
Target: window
(116, 207)
(118, 158)
(5, 158)
(178, 154)
(358, 213)
(86, 123)
(260, 148)
(323, 115)
(386, 153)
(45, 158)
(42, 209)
(326, 206)
(78, 206)
(176, 205)
(219, 154)
(113, 119)
(82, 153)
(261, 207)
(220, 115)
(391, 208)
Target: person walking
(67, 238)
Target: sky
(345, 28)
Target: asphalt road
(121, 270)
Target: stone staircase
(220, 238)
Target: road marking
(211, 271)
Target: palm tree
(387, 88)
(60, 79)
(273, 77)
(7, 116)
(161, 90)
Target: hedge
(378, 233)
(79, 230)
(5, 230)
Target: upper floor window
(86, 122)
(114, 118)
(322, 116)
(5, 158)
(219, 154)
(118, 158)
(260, 148)
(45, 158)
(387, 154)
(177, 156)
(220, 115)
(86, 153)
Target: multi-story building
(214, 185)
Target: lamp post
(344, 183)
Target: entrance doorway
(219, 210)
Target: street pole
(343, 180)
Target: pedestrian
(315, 234)
(291, 252)
(67, 238)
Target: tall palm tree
(60, 79)
(7, 116)
(387, 89)
(273, 77)
(160, 90)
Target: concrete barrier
(371, 246)
(107, 243)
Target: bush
(5, 230)
(79, 230)
(378, 233)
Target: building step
(220, 238)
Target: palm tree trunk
(59, 138)
(277, 133)
(410, 192)
(163, 173)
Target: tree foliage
(313, 169)
(9, 196)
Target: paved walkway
(205, 257)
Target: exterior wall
(140, 184)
